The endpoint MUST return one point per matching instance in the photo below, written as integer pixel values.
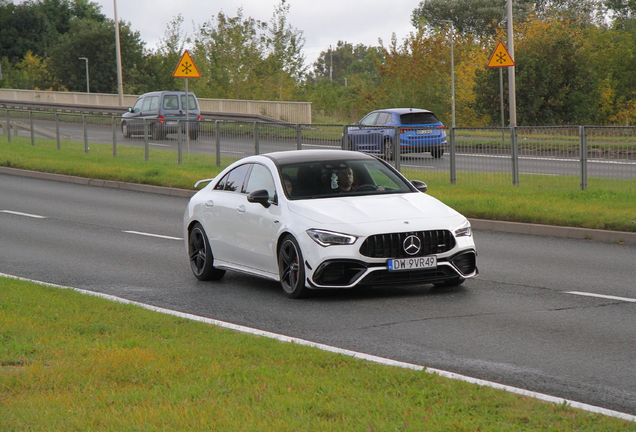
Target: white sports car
(315, 219)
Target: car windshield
(418, 118)
(324, 179)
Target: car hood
(392, 211)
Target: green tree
(227, 53)
(284, 63)
(346, 60)
(162, 62)
(96, 41)
(556, 82)
(36, 25)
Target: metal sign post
(186, 69)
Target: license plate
(412, 263)
(171, 123)
(424, 131)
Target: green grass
(554, 200)
(72, 362)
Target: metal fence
(569, 158)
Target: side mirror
(129, 109)
(260, 196)
(419, 185)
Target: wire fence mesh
(569, 157)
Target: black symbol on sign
(501, 58)
(186, 68)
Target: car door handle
(209, 203)
(240, 209)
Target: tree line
(575, 60)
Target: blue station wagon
(420, 131)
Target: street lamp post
(120, 81)
(88, 89)
(452, 37)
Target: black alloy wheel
(200, 254)
(291, 269)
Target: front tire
(291, 268)
(200, 254)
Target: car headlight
(464, 230)
(329, 238)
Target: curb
(619, 237)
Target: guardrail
(294, 112)
(567, 158)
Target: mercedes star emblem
(412, 244)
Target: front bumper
(348, 273)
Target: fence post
(453, 161)
(515, 155)
(180, 142)
(57, 130)
(299, 137)
(146, 145)
(114, 120)
(396, 148)
(8, 127)
(344, 144)
(85, 133)
(31, 126)
(256, 142)
(583, 138)
(217, 133)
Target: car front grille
(392, 245)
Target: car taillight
(199, 117)
(161, 119)
(404, 130)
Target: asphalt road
(517, 324)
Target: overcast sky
(323, 22)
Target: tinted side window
(261, 178)
(171, 102)
(154, 103)
(146, 104)
(369, 120)
(236, 177)
(383, 118)
(138, 104)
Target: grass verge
(607, 204)
(75, 363)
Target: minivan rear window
(192, 105)
(171, 102)
(418, 118)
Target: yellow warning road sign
(500, 58)
(186, 68)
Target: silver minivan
(160, 113)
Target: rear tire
(291, 268)
(437, 152)
(200, 254)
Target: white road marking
(603, 296)
(153, 235)
(368, 357)
(23, 214)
